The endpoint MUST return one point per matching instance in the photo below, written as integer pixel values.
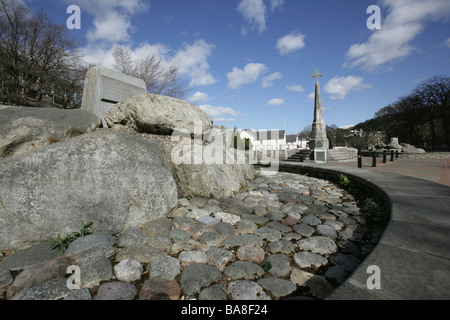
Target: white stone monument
(103, 88)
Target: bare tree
(158, 78)
(37, 57)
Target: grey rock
(160, 226)
(28, 257)
(224, 229)
(318, 244)
(133, 237)
(311, 220)
(197, 213)
(6, 278)
(128, 270)
(158, 114)
(309, 259)
(219, 257)
(277, 287)
(94, 268)
(102, 243)
(215, 292)
(139, 188)
(178, 235)
(251, 253)
(304, 229)
(143, 254)
(25, 129)
(246, 290)
(189, 244)
(336, 274)
(39, 273)
(280, 265)
(197, 275)
(336, 225)
(279, 226)
(193, 256)
(165, 267)
(207, 220)
(268, 234)
(246, 227)
(160, 242)
(239, 240)
(326, 231)
(53, 289)
(243, 270)
(197, 201)
(183, 223)
(211, 239)
(257, 220)
(116, 291)
(347, 261)
(320, 287)
(227, 217)
(282, 246)
(275, 215)
(80, 294)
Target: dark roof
(270, 135)
(291, 138)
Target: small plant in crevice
(63, 242)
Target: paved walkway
(434, 170)
(414, 251)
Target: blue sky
(249, 63)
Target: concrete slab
(414, 252)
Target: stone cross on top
(317, 75)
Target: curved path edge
(413, 255)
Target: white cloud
(311, 96)
(193, 61)
(111, 18)
(447, 42)
(220, 114)
(192, 58)
(291, 42)
(268, 80)
(340, 87)
(406, 19)
(296, 88)
(250, 74)
(275, 102)
(199, 97)
(275, 4)
(254, 12)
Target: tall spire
(318, 133)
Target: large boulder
(407, 148)
(25, 129)
(158, 114)
(210, 170)
(115, 180)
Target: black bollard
(374, 159)
(396, 154)
(384, 156)
(359, 159)
(392, 155)
(301, 157)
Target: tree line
(421, 118)
(41, 64)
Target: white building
(272, 140)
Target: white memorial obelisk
(319, 132)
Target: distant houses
(272, 140)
